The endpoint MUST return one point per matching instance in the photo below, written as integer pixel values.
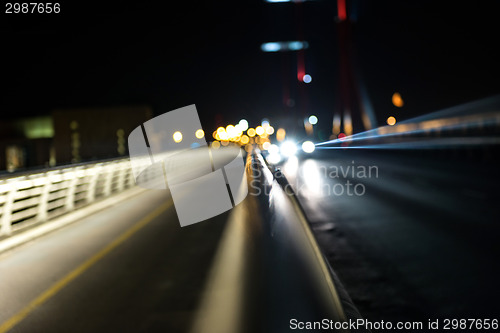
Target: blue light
(294, 45)
(270, 47)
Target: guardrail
(31, 199)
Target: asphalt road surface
(130, 268)
(418, 241)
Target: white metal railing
(35, 198)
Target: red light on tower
(300, 68)
(342, 11)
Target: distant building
(68, 136)
(25, 142)
(95, 133)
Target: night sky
(208, 53)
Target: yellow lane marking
(56, 287)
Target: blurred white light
(292, 165)
(307, 78)
(243, 124)
(273, 158)
(311, 174)
(238, 130)
(177, 136)
(274, 149)
(265, 122)
(288, 148)
(223, 136)
(260, 130)
(308, 147)
(313, 120)
(231, 131)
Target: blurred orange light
(251, 132)
(397, 100)
(244, 140)
(280, 134)
(391, 121)
(199, 134)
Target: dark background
(436, 54)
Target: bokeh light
(273, 149)
(391, 121)
(308, 146)
(244, 139)
(280, 134)
(243, 124)
(288, 148)
(313, 120)
(199, 134)
(177, 136)
(273, 158)
(397, 100)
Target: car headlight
(308, 147)
(288, 148)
